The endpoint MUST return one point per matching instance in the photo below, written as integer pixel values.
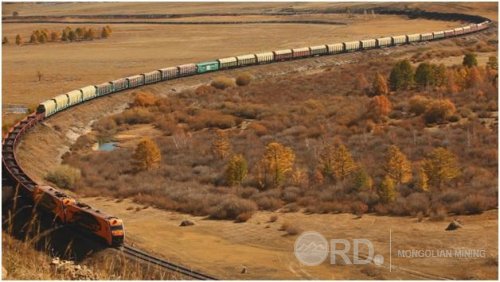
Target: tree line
(42, 36)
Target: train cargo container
(74, 97)
(449, 33)
(49, 107)
(336, 48)
(169, 73)
(152, 77)
(399, 39)
(318, 50)
(207, 66)
(473, 27)
(427, 36)
(301, 52)
(226, 63)
(458, 30)
(187, 69)
(119, 84)
(88, 92)
(368, 43)
(438, 35)
(466, 29)
(135, 80)
(266, 57)
(483, 25)
(384, 41)
(352, 46)
(245, 60)
(413, 37)
(281, 55)
(62, 102)
(104, 88)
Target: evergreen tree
(470, 60)
(237, 170)
(387, 190)
(424, 75)
(401, 77)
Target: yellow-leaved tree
(237, 170)
(276, 163)
(397, 165)
(147, 155)
(440, 167)
(337, 162)
(387, 190)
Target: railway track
(136, 253)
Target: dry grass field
(224, 248)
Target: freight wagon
(207, 66)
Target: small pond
(108, 146)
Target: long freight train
(67, 210)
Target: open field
(224, 248)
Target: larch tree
(89, 34)
(492, 63)
(33, 38)
(387, 190)
(147, 155)
(221, 146)
(439, 74)
(441, 166)
(342, 163)
(474, 78)
(401, 77)
(421, 180)
(424, 75)
(72, 36)
(5, 40)
(379, 86)
(236, 170)
(19, 40)
(277, 162)
(470, 60)
(379, 107)
(64, 36)
(397, 165)
(362, 181)
(105, 33)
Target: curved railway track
(14, 174)
(136, 253)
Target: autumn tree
(397, 166)
(89, 34)
(401, 77)
(147, 155)
(64, 36)
(72, 36)
(53, 36)
(438, 74)
(19, 40)
(221, 147)
(337, 162)
(440, 167)
(378, 107)
(361, 180)
(421, 180)
(79, 32)
(104, 33)
(277, 162)
(387, 190)
(39, 74)
(379, 85)
(5, 40)
(474, 78)
(33, 38)
(237, 170)
(439, 111)
(470, 60)
(492, 63)
(424, 75)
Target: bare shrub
(438, 214)
(243, 79)
(439, 111)
(134, 116)
(290, 228)
(208, 118)
(232, 208)
(64, 176)
(418, 104)
(273, 218)
(222, 82)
